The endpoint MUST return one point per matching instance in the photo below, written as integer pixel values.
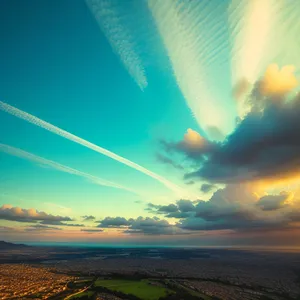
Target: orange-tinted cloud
(278, 82)
(193, 139)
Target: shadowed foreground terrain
(35, 272)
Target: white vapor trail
(120, 38)
(193, 35)
(56, 130)
(54, 165)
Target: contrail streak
(38, 122)
(120, 38)
(54, 165)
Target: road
(81, 291)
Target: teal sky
(60, 67)
(124, 75)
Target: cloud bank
(18, 214)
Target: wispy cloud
(251, 24)
(121, 39)
(262, 33)
(193, 35)
(67, 135)
(54, 165)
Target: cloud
(195, 46)
(182, 209)
(278, 82)
(273, 202)
(252, 46)
(238, 208)
(263, 146)
(120, 37)
(193, 145)
(67, 135)
(168, 208)
(92, 230)
(185, 205)
(8, 212)
(192, 139)
(88, 218)
(206, 187)
(110, 222)
(141, 225)
(152, 226)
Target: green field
(142, 289)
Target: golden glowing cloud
(278, 82)
(193, 139)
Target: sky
(150, 122)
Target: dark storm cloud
(7, 212)
(185, 205)
(179, 215)
(116, 222)
(182, 209)
(265, 144)
(193, 152)
(237, 208)
(206, 187)
(168, 208)
(151, 226)
(272, 202)
(88, 218)
(141, 225)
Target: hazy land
(53, 272)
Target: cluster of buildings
(249, 279)
(23, 281)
